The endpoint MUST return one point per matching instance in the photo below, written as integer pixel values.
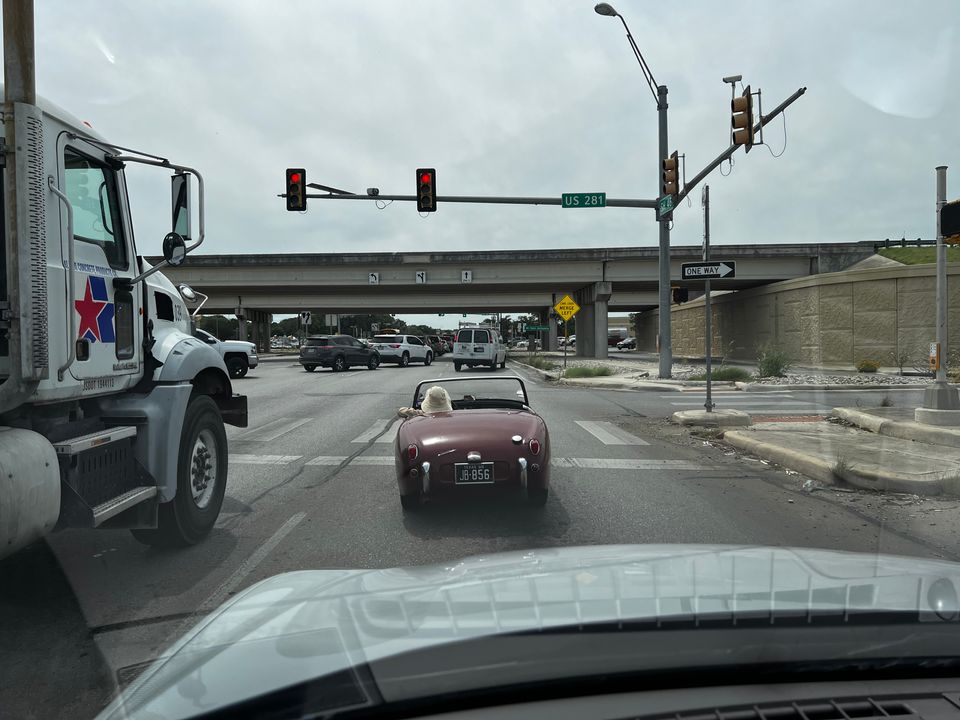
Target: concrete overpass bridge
(599, 279)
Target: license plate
(473, 473)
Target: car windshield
(329, 330)
(511, 390)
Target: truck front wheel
(237, 366)
(201, 480)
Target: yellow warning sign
(566, 308)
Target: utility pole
(941, 395)
(707, 308)
(664, 324)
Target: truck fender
(188, 358)
(29, 488)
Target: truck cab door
(109, 343)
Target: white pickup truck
(238, 355)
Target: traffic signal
(680, 295)
(670, 182)
(296, 189)
(742, 119)
(950, 222)
(426, 190)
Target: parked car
(490, 436)
(337, 352)
(521, 345)
(436, 344)
(238, 355)
(615, 336)
(403, 349)
(478, 346)
(628, 344)
(572, 342)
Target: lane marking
(273, 429)
(624, 464)
(216, 598)
(327, 460)
(557, 462)
(241, 459)
(374, 430)
(609, 434)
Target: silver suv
(402, 349)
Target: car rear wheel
(410, 503)
(373, 363)
(537, 497)
(456, 367)
(309, 368)
(339, 364)
(503, 363)
(428, 359)
(404, 359)
(493, 364)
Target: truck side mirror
(180, 204)
(174, 249)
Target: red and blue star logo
(96, 312)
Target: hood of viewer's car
(305, 625)
(469, 427)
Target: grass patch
(585, 372)
(868, 366)
(540, 363)
(772, 361)
(729, 374)
(918, 255)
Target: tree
(222, 328)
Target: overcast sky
(514, 98)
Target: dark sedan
(337, 352)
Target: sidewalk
(833, 453)
(898, 422)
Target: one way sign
(708, 270)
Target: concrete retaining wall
(828, 320)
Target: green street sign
(583, 200)
(537, 328)
(666, 204)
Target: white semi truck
(111, 413)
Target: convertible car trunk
(444, 439)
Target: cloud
(533, 98)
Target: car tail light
(535, 446)
(412, 452)
(394, 345)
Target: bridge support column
(592, 320)
(551, 322)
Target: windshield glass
(683, 280)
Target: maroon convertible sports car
(488, 436)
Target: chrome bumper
(425, 469)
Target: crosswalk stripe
(241, 459)
(374, 430)
(731, 401)
(372, 460)
(390, 435)
(273, 429)
(609, 434)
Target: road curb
(822, 470)
(639, 386)
(931, 435)
(762, 387)
(279, 358)
(546, 374)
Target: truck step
(115, 506)
(73, 446)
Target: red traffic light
(426, 177)
(426, 190)
(296, 189)
(295, 177)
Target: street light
(660, 95)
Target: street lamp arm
(647, 73)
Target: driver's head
(436, 400)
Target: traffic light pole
(664, 331)
(488, 199)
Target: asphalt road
(311, 485)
